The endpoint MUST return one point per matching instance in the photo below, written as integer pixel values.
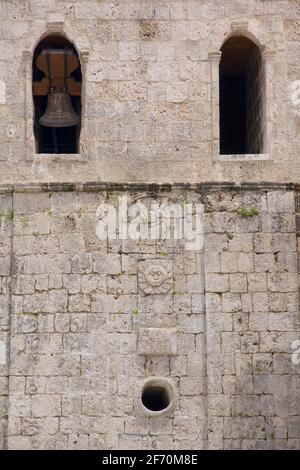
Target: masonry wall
(82, 328)
(252, 319)
(87, 328)
(150, 88)
(5, 307)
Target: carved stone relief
(155, 276)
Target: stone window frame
(241, 29)
(55, 26)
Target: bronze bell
(59, 111)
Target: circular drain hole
(155, 398)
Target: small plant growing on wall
(244, 212)
(9, 215)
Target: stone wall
(6, 217)
(88, 328)
(83, 328)
(252, 316)
(150, 86)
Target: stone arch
(242, 95)
(241, 29)
(55, 25)
(56, 76)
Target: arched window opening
(241, 98)
(57, 96)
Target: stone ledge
(246, 157)
(154, 188)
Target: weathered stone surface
(83, 320)
(157, 341)
(155, 276)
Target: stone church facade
(145, 344)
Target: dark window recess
(57, 139)
(64, 79)
(241, 98)
(155, 398)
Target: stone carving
(155, 276)
(157, 341)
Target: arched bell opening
(242, 101)
(57, 96)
